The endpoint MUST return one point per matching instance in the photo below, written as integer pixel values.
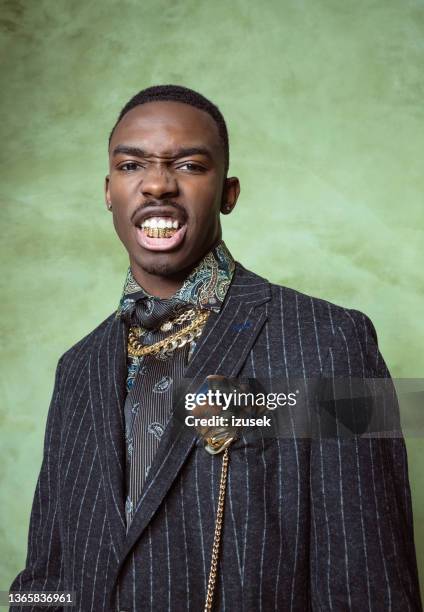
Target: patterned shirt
(150, 379)
(204, 288)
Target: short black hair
(178, 93)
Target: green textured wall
(324, 101)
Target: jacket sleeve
(362, 542)
(43, 569)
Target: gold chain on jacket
(217, 535)
(176, 340)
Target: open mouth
(160, 233)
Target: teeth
(159, 232)
(160, 222)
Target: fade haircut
(178, 93)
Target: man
(131, 511)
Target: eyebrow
(176, 153)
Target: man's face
(166, 186)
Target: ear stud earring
(109, 206)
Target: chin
(165, 268)
(161, 264)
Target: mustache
(159, 204)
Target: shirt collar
(205, 287)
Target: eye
(191, 167)
(129, 166)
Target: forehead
(158, 126)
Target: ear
(107, 194)
(230, 194)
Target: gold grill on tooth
(159, 232)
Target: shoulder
(336, 318)
(301, 308)
(81, 349)
(317, 326)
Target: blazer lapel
(223, 347)
(230, 334)
(107, 376)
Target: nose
(158, 182)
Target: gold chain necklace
(176, 340)
(187, 315)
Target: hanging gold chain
(217, 534)
(171, 342)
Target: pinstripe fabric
(148, 406)
(304, 519)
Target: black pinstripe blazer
(323, 525)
